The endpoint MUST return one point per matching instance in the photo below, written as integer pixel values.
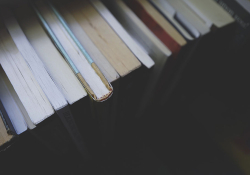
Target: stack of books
(107, 60)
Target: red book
(148, 20)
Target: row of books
(126, 55)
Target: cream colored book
(210, 12)
(54, 63)
(170, 14)
(103, 36)
(30, 93)
(106, 68)
(189, 16)
(91, 79)
(117, 27)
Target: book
(148, 42)
(25, 84)
(137, 29)
(81, 63)
(182, 51)
(39, 71)
(188, 16)
(10, 106)
(157, 24)
(56, 98)
(93, 24)
(115, 50)
(106, 110)
(53, 61)
(116, 26)
(211, 13)
(106, 68)
(51, 133)
(170, 14)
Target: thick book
(104, 112)
(79, 60)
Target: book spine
(68, 121)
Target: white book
(169, 13)
(37, 67)
(54, 63)
(106, 68)
(11, 107)
(117, 27)
(210, 12)
(186, 14)
(30, 93)
(155, 48)
(85, 69)
(12, 91)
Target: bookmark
(72, 65)
(84, 52)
